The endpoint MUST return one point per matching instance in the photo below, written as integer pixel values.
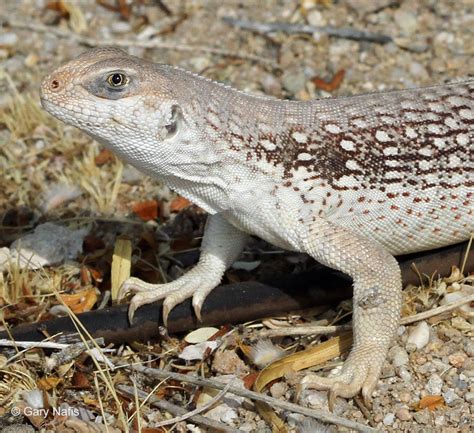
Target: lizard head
(122, 101)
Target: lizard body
(350, 181)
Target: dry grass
(39, 152)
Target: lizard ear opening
(173, 126)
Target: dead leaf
(146, 210)
(105, 156)
(48, 383)
(330, 86)
(305, 359)
(121, 265)
(121, 6)
(179, 203)
(81, 301)
(249, 380)
(295, 362)
(200, 335)
(59, 7)
(80, 381)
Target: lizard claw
(199, 297)
(359, 373)
(131, 312)
(173, 293)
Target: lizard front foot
(360, 372)
(197, 283)
(221, 245)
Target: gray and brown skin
(349, 181)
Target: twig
(467, 253)
(33, 344)
(304, 330)
(198, 410)
(337, 32)
(318, 414)
(435, 311)
(317, 330)
(92, 42)
(177, 410)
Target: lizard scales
(349, 181)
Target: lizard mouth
(67, 116)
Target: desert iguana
(350, 181)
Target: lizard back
(396, 167)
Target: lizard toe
(176, 297)
(135, 285)
(358, 374)
(150, 293)
(199, 297)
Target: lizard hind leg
(376, 306)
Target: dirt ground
(52, 173)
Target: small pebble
(419, 71)
(278, 389)
(419, 335)
(199, 63)
(271, 85)
(406, 21)
(316, 399)
(8, 40)
(434, 385)
(316, 18)
(469, 347)
(405, 397)
(422, 417)
(228, 362)
(294, 81)
(404, 374)
(399, 356)
(440, 420)
(120, 27)
(388, 419)
(450, 396)
(403, 414)
(364, 7)
(457, 359)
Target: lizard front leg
(221, 245)
(377, 303)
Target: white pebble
(435, 384)
(388, 419)
(419, 335)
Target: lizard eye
(117, 79)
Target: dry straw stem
(316, 330)
(199, 381)
(104, 373)
(94, 180)
(435, 311)
(304, 330)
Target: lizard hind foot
(358, 374)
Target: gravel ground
(432, 42)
